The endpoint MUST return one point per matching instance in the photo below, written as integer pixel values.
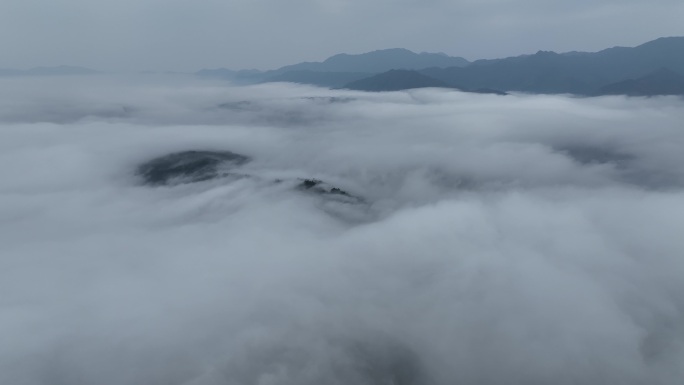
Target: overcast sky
(187, 35)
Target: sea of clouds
(517, 239)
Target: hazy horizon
(179, 36)
(192, 71)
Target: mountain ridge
(660, 82)
(579, 73)
(395, 80)
(574, 73)
(372, 62)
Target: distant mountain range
(660, 82)
(653, 68)
(341, 69)
(395, 80)
(380, 61)
(576, 72)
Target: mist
(518, 239)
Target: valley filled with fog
(427, 237)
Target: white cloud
(518, 239)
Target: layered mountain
(660, 82)
(341, 69)
(632, 71)
(574, 72)
(379, 61)
(395, 80)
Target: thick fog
(479, 239)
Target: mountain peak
(671, 42)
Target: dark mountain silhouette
(660, 82)
(488, 91)
(580, 73)
(395, 80)
(575, 72)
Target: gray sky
(186, 35)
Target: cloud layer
(501, 239)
